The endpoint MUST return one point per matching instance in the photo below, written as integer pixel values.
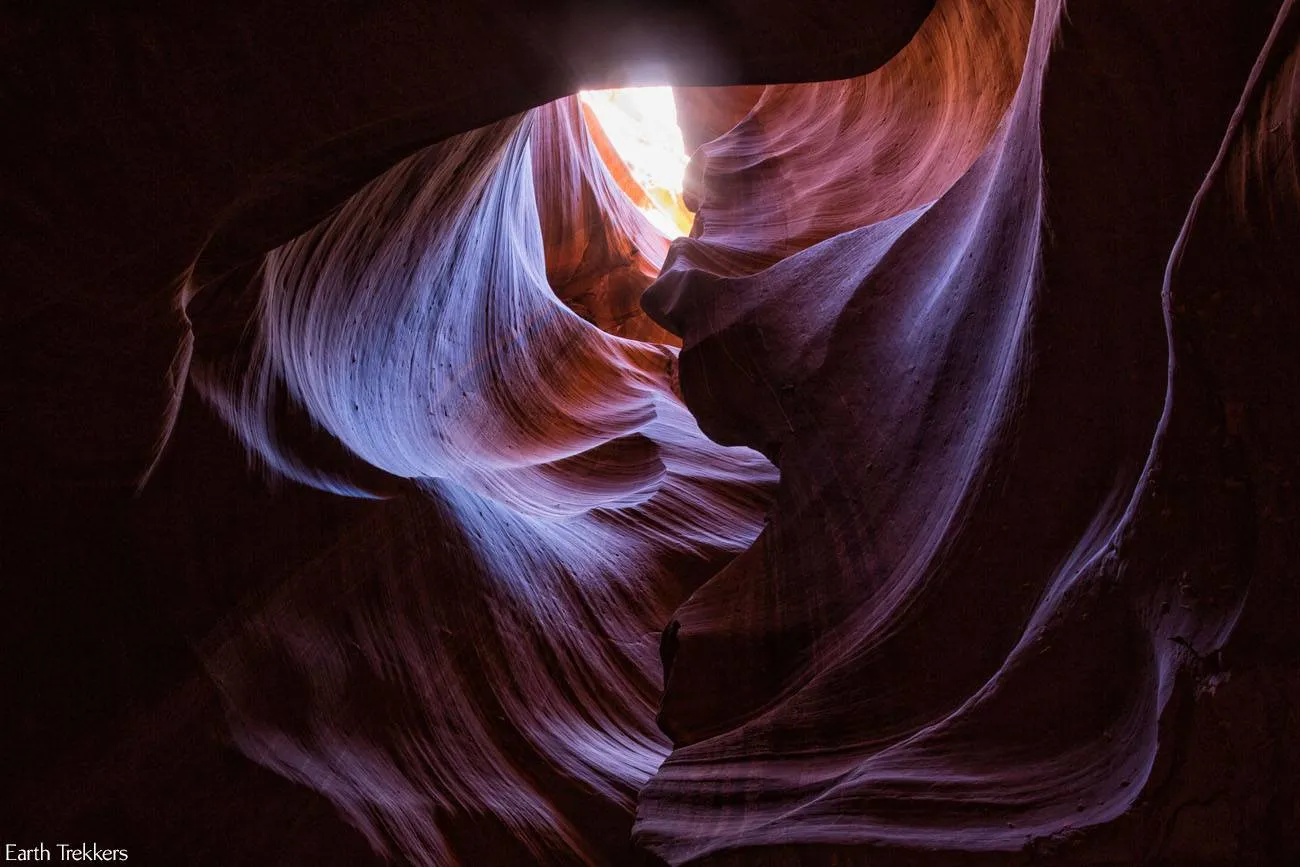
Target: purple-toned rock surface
(373, 496)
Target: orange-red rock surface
(373, 496)
(807, 162)
(601, 250)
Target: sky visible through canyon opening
(641, 123)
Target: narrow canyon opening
(638, 137)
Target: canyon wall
(383, 487)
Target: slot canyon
(385, 484)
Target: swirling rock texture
(361, 506)
(807, 162)
(601, 253)
(507, 615)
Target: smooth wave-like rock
(964, 638)
(509, 626)
(807, 162)
(347, 432)
(601, 250)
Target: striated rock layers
(932, 504)
(561, 504)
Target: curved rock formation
(810, 161)
(510, 625)
(965, 637)
(1006, 297)
(601, 251)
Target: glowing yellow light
(641, 124)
